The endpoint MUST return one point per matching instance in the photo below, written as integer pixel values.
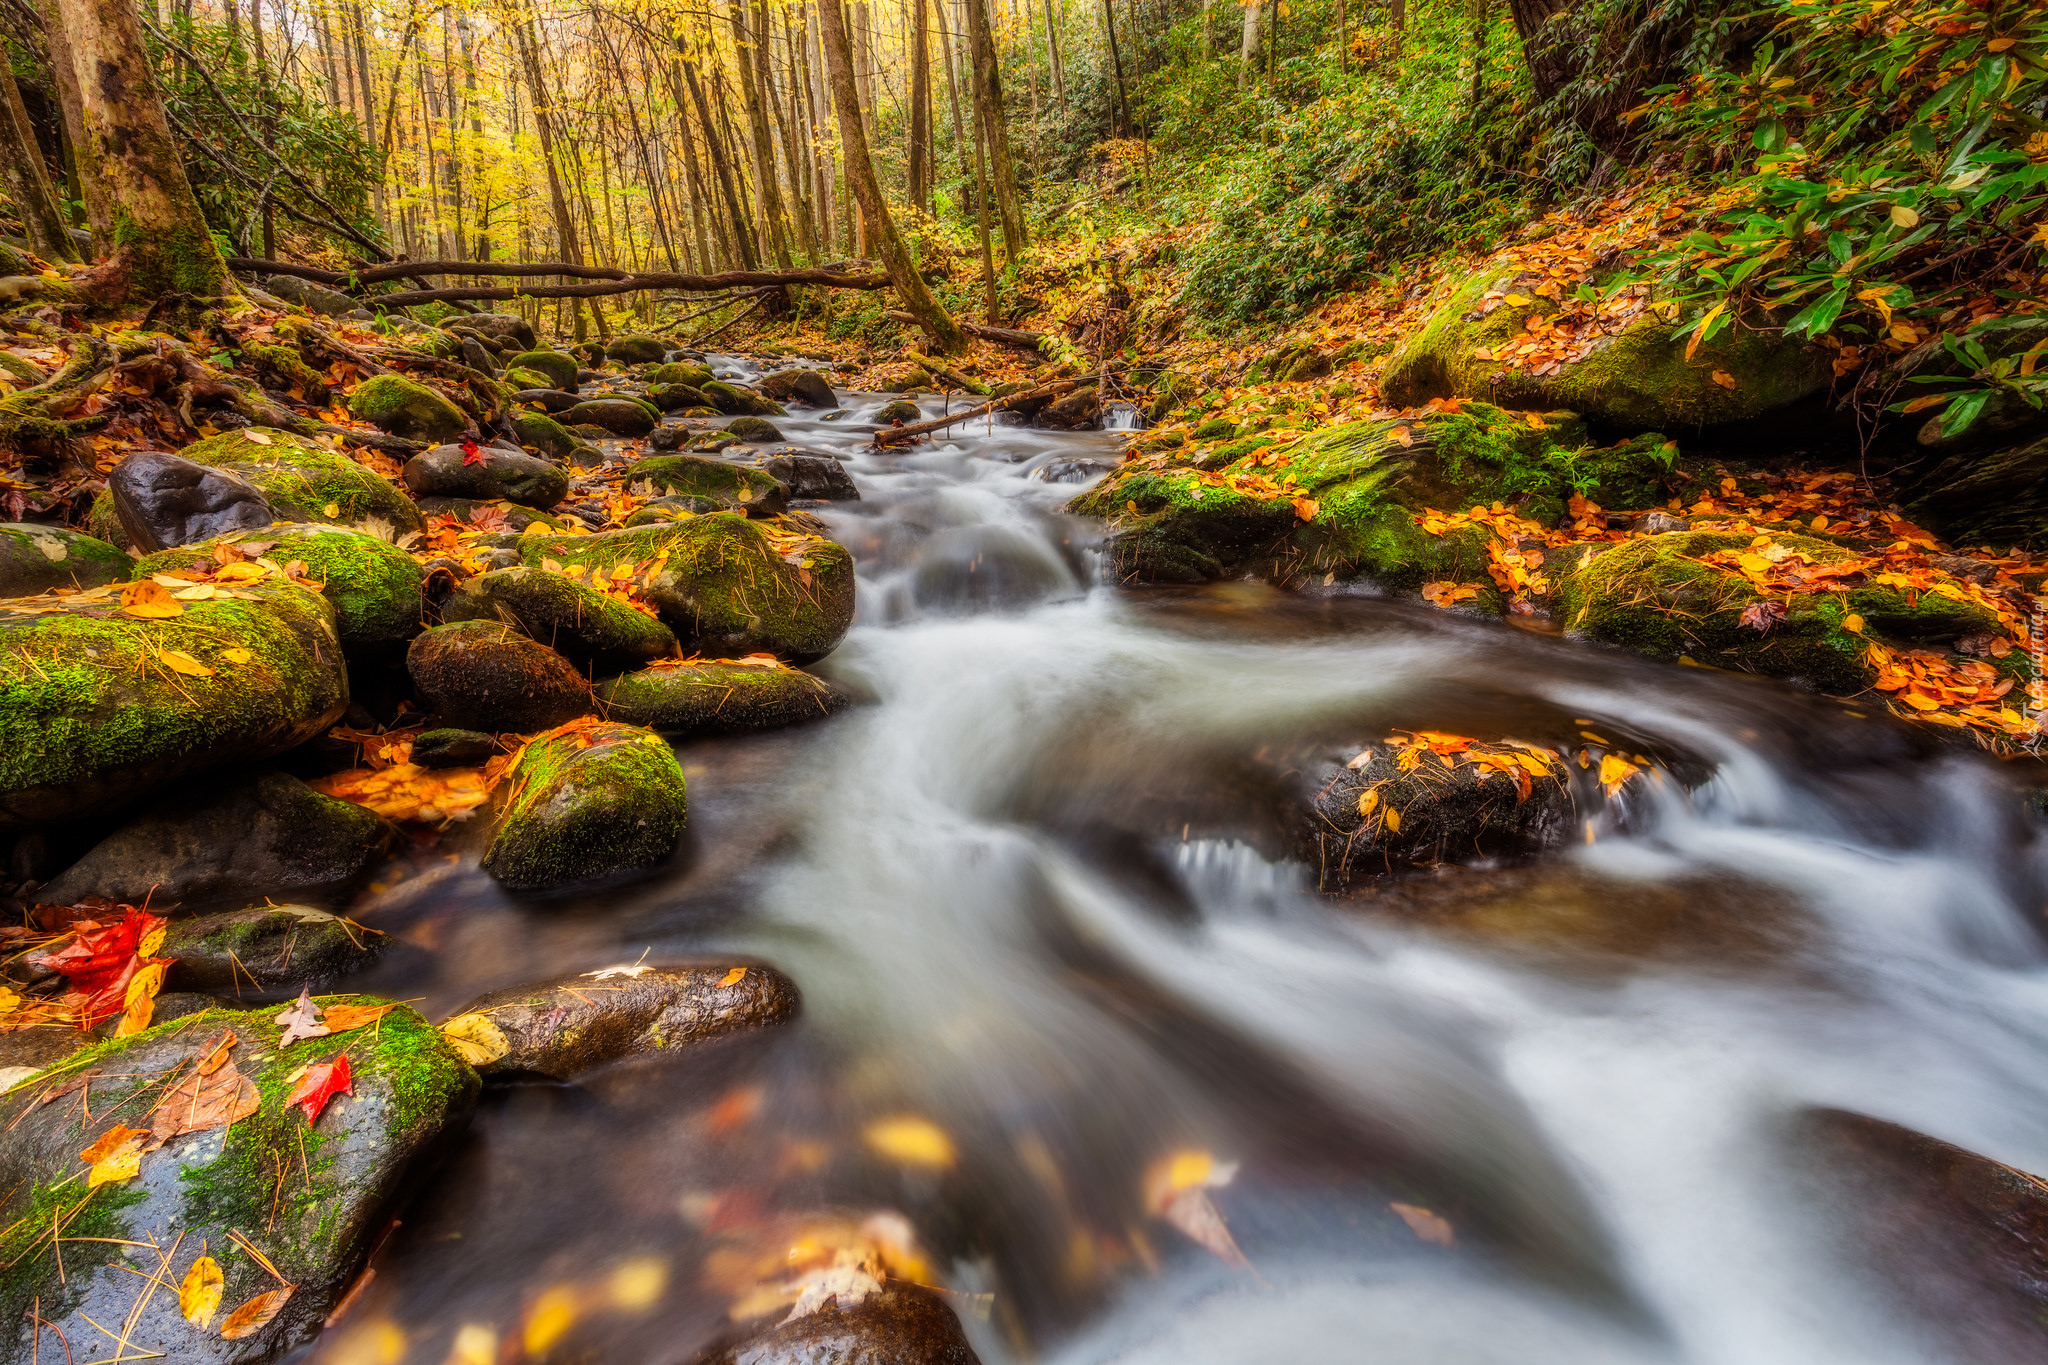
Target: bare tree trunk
(988, 107)
(27, 180)
(742, 229)
(752, 56)
(1123, 98)
(860, 175)
(1248, 40)
(956, 56)
(920, 109)
(565, 224)
(156, 240)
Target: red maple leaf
(320, 1084)
(472, 453)
(101, 958)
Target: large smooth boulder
(1346, 500)
(562, 369)
(93, 714)
(163, 500)
(373, 585)
(547, 399)
(409, 1097)
(619, 416)
(1638, 377)
(753, 430)
(268, 835)
(582, 624)
(318, 298)
(405, 407)
(488, 476)
(729, 586)
(484, 675)
(35, 558)
(805, 387)
(675, 397)
(636, 349)
(700, 476)
(570, 1025)
(808, 474)
(591, 801)
(267, 950)
(717, 699)
(305, 481)
(734, 401)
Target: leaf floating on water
(342, 1018)
(1430, 1227)
(199, 1295)
(301, 1019)
(318, 1087)
(475, 1039)
(912, 1141)
(1614, 772)
(733, 977)
(253, 1316)
(1177, 1190)
(115, 1157)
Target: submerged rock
(725, 585)
(584, 625)
(590, 801)
(373, 585)
(162, 500)
(268, 950)
(270, 835)
(92, 717)
(806, 387)
(409, 1096)
(491, 475)
(700, 476)
(900, 1324)
(406, 407)
(714, 699)
(35, 558)
(484, 675)
(575, 1023)
(307, 482)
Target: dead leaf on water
(1430, 1227)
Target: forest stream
(1587, 1109)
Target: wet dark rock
(715, 699)
(270, 835)
(447, 472)
(808, 474)
(903, 1324)
(805, 387)
(753, 429)
(35, 558)
(410, 1097)
(585, 626)
(501, 326)
(636, 350)
(1080, 409)
(477, 357)
(1960, 1239)
(483, 675)
(1374, 818)
(450, 748)
(613, 417)
(605, 801)
(989, 567)
(575, 1023)
(1074, 470)
(267, 950)
(897, 410)
(548, 400)
(165, 500)
(668, 438)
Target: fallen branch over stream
(1008, 336)
(890, 436)
(603, 279)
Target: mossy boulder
(538, 431)
(636, 349)
(734, 401)
(678, 508)
(484, 675)
(236, 840)
(373, 585)
(573, 1024)
(729, 586)
(615, 416)
(699, 476)
(1658, 596)
(753, 430)
(674, 397)
(547, 399)
(405, 407)
(35, 558)
(803, 386)
(592, 801)
(561, 370)
(897, 410)
(1344, 500)
(680, 372)
(270, 950)
(490, 475)
(409, 1098)
(304, 481)
(527, 381)
(585, 626)
(718, 699)
(92, 716)
(1639, 378)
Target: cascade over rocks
(238, 840)
(590, 801)
(484, 675)
(578, 1022)
(163, 500)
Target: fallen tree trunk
(604, 280)
(889, 436)
(1008, 336)
(946, 372)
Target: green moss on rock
(373, 585)
(560, 369)
(680, 372)
(408, 408)
(717, 699)
(636, 349)
(307, 482)
(538, 431)
(699, 476)
(583, 625)
(597, 802)
(35, 558)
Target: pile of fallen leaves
(108, 959)
(392, 785)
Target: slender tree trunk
(988, 105)
(860, 175)
(155, 239)
(1059, 67)
(1248, 38)
(988, 260)
(743, 232)
(920, 109)
(26, 178)
(565, 224)
(1123, 98)
(795, 161)
(956, 57)
(749, 52)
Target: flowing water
(1036, 894)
